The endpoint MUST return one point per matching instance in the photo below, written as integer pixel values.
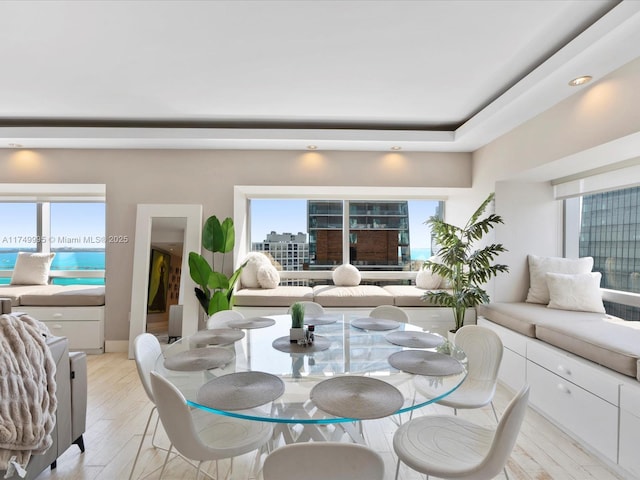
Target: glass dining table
(357, 368)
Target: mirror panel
(147, 214)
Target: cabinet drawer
(630, 398)
(64, 313)
(510, 339)
(81, 335)
(586, 415)
(589, 376)
(629, 440)
(513, 370)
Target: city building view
(609, 232)
(378, 234)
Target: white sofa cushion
(32, 268)
(346, 276)
(428, 280)
(249, 275)
(358, 296)
(540, 266)
(268, 276)
(580, 292)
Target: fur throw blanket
(27, 390)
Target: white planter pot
(296, 334)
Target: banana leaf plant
(462, 266)
(215, 288)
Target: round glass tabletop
(352, 351)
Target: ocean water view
(420, 253)
(64, 260)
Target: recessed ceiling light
(312, 147)
(396, 148)
(580, 80)
(15, 145)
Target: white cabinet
(83, 326)
(576, 409)
(630, 428)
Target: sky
(291, 216)
(73, 225)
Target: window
(75, 231)
(376, 235)
(606, 226)
(610, 232)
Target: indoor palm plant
(215, 289)
(462, 266)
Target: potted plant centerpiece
(215, 289)
(296, 332)
(464, 267)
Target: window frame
(571, 193)
(43, 195)
(243, 194)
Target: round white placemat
(320, 319)
(284, 345)
(257, 322)
(421, 362)
(357, 397)
(414, 339)
(216, 336)
(370, 323)
(240, 390)
(199, 359)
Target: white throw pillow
(346, 276)
(268, 276)
(580, 292)
(32, 268)
(540, 266)
(249, 275)
(427, 279)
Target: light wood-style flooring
(118, 409)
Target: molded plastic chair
(146, 349)
(323, 461)
(390, 312)
(484, 354)
(311, 308)
(222, 318)
(210, 437)
(447, 446)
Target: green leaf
(199, 269)
(218, 302)
(218, 281)
(212, 235)
(228, 236)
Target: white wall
(586, 131)
(208, 178)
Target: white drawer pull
(57, 315)
(57, 326)
(563, 369)
(563, 388)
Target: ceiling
(348, 75)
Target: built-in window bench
(358, 300)
(72, 311)
(583, 371)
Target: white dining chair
(447, 446)
(222, 318)
(323, 461)
(311, 308)
(390, 312)
(146, 349)
(209, 437)
(483, 349)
